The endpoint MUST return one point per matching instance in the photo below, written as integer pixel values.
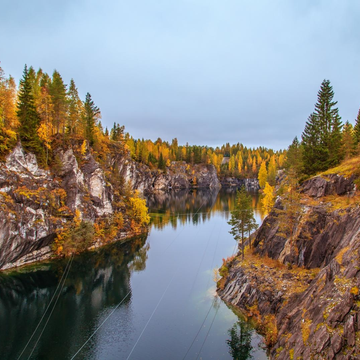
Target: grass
(265, 267)
(346, 168)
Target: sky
(206, 72)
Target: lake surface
(152, 297)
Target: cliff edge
(300, 281)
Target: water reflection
(195, 206)
(154, 292)
(96, 281)
(240, 346)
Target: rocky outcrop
(35, 204)
(333, 184)
(308, 283)
(232, 182)
(178, 175)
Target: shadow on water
(96, 280)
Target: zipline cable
(47, 308)
(162, 296)
(96, 330)
(197, 334)
(123, 301)
(212, 322)
(207, 314)
(59, 293)
(152, 314)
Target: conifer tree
(242, 217)
(29, 119)
(75, 107)
(271, 178)
(294, 158)
(321, 138)
(58, 96)
(348, 141)
(357, 130)
(90, 116)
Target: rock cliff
(250, 184)
(178, 175)
(303, 288)
(35, 204)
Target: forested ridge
(44, 111)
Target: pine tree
(58, 96)
(161, 164)
(271, 178)
(321, 138)
(348, 143)
(75, 107)
(90, 116)
(242, 217)
(357, 130)
(314, 154)
(29, 119)
(294, 158)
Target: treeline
(326, 140)
(44, 109)
(229, 160)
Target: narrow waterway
(149, 298)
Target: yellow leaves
(305, 329)
(354, 290)
(83, 148)
(77, 217)
(139, 210)
(262, 175)
(44, 135)
(269, 197)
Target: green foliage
(357, 130)
(90, 116)
(321, 138)
(29, 119)
(75, 238)
(242, 217)
(294, 158)
(291, 210)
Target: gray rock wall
(321, 318)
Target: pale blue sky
(204, 71)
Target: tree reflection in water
(240, 341)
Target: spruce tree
(357, 130)
(321, 138)
(294, 158)
(29, 119)
(74, 109)
(242, 217)
(59, 99)
(90, 116)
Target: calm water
(150, 298)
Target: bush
(75, 238)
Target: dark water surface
(150, 298)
